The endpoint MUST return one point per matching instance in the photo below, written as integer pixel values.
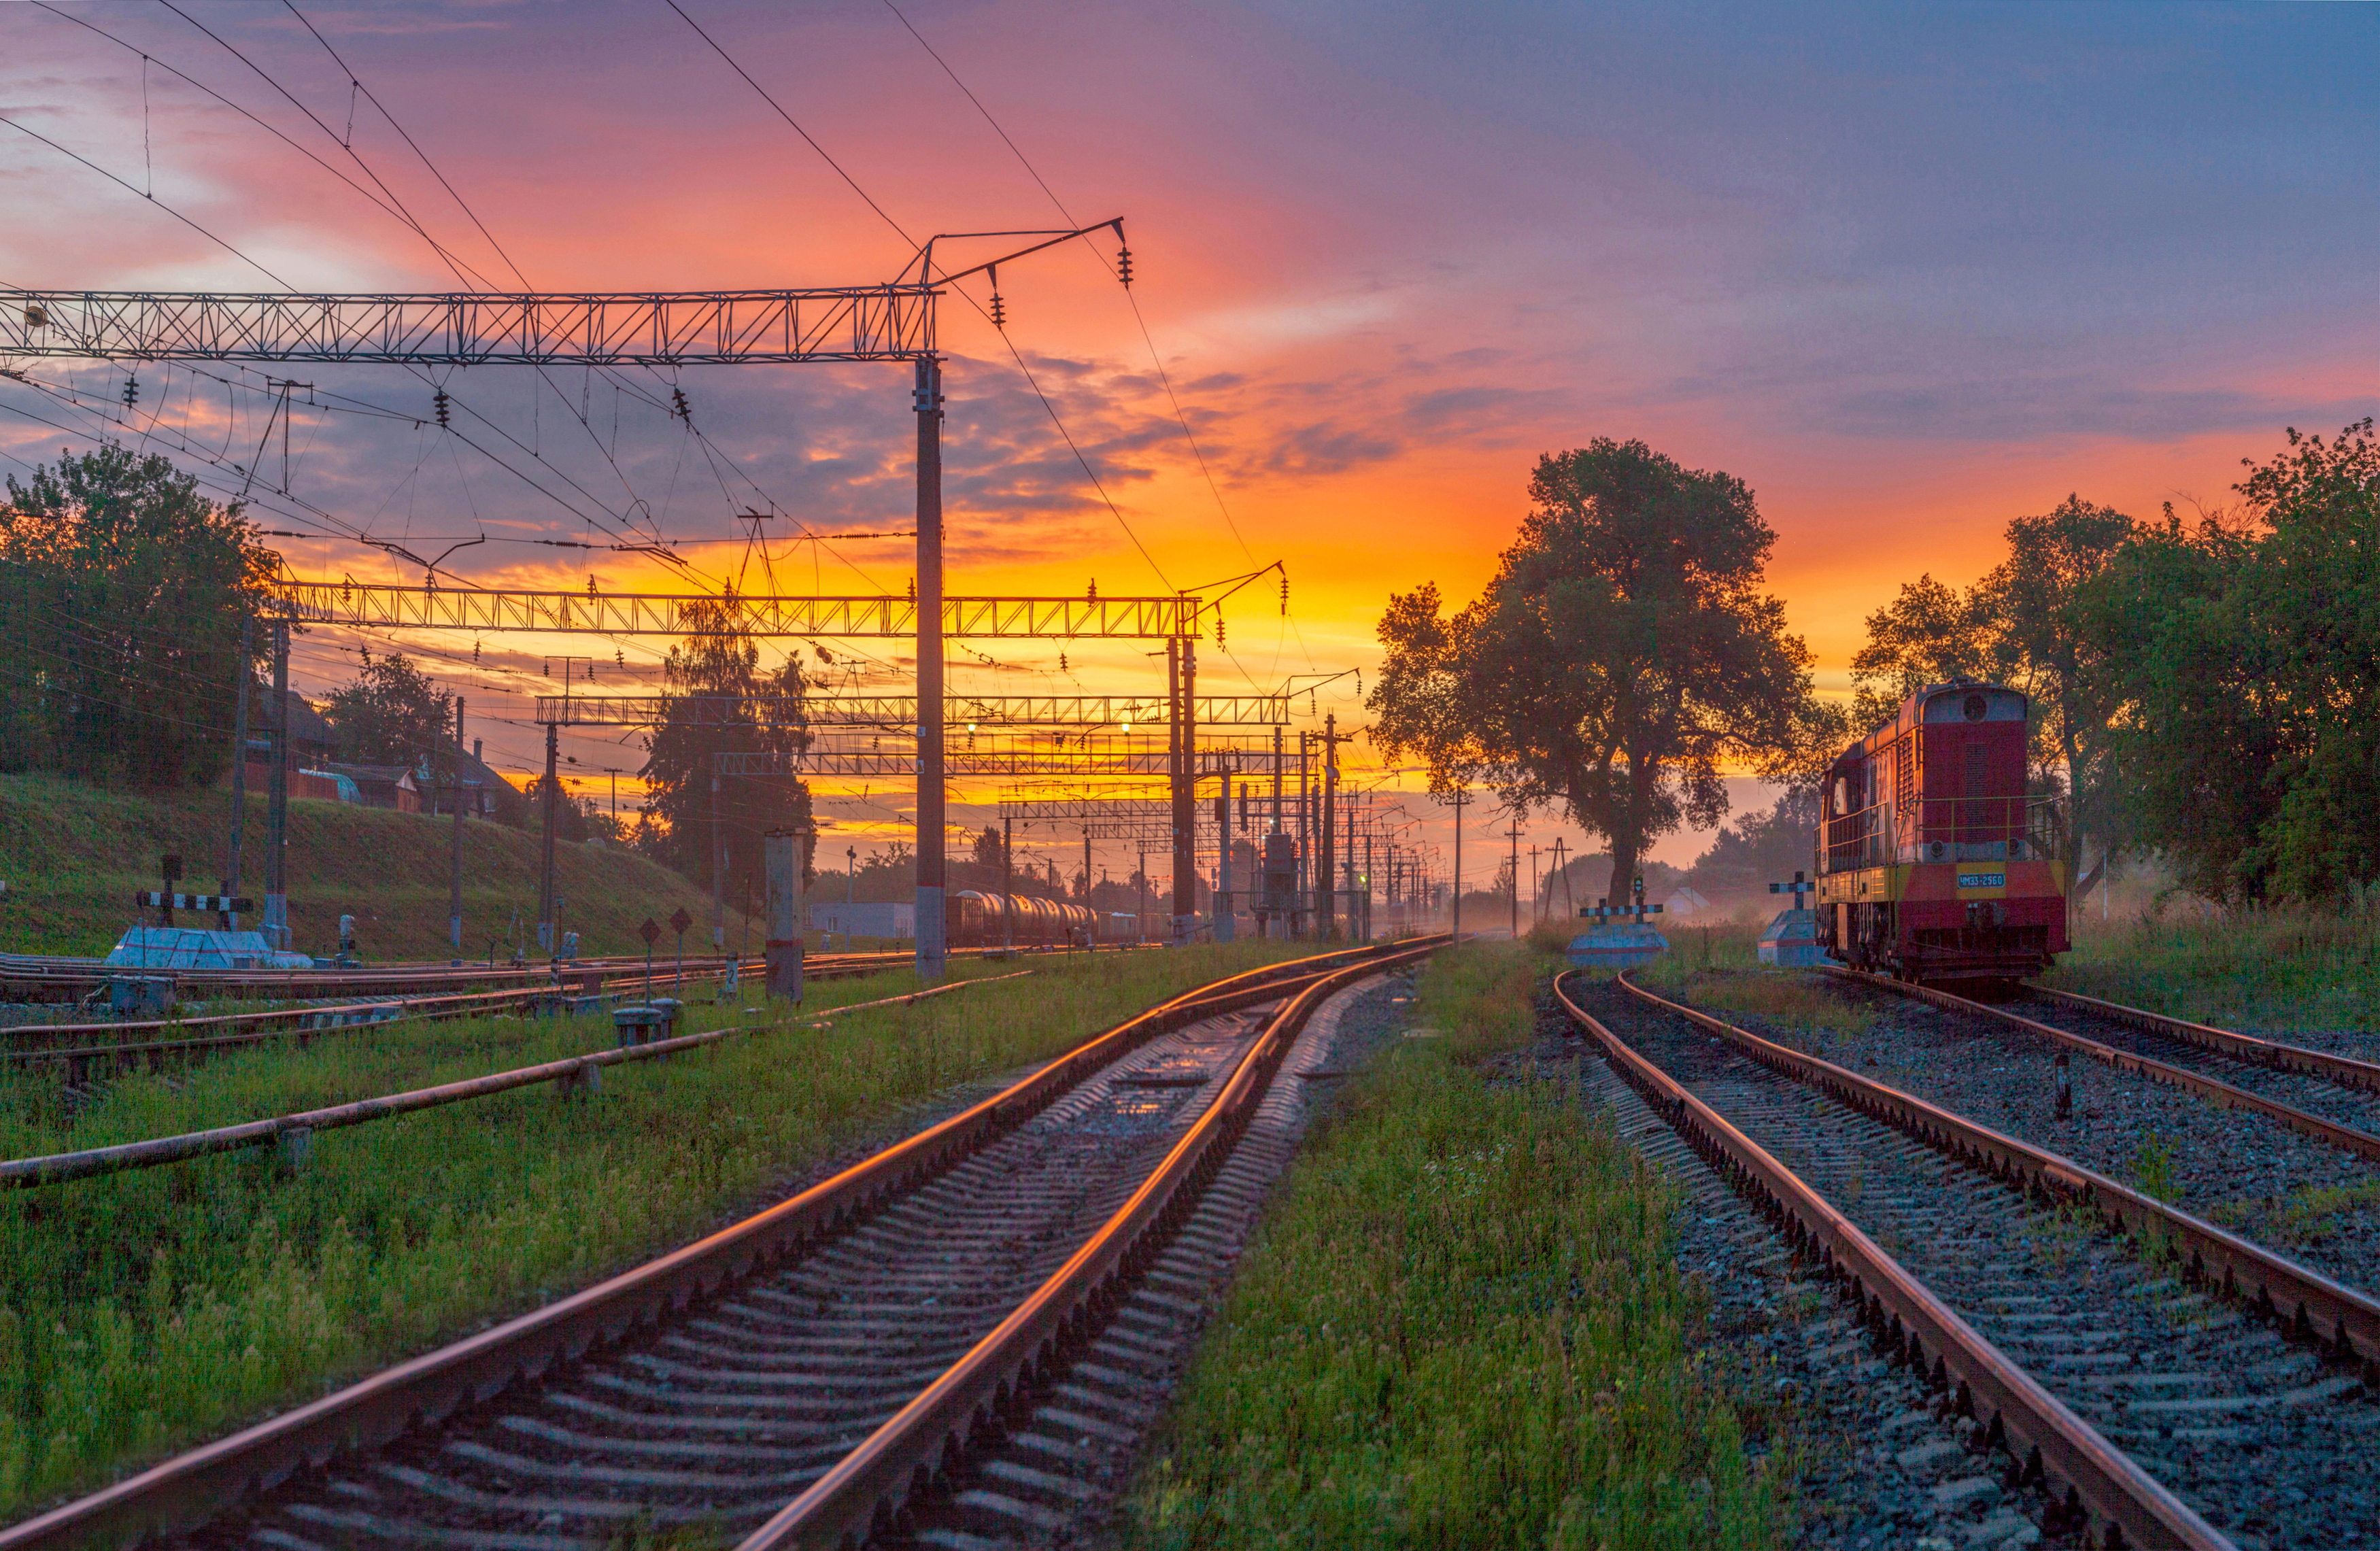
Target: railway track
(2086, 1330)
(2332, 1097)
(2261, 1148)
(812, 1370)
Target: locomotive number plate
(1983, 880)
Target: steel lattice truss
(898, 712)
(843, 324)
(1007, 759)
(380, 605)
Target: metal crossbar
(836, 323)
(900, 712)
(384, 605)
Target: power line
(151, 199)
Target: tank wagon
(1933, 862)
(975, 920)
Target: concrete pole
(1224, 925)
(781, 854)
(239, 770)
(454, 857)
(276, 832)
(1008, 885)
(546, 937)
(933, 947)
(718, 868)
(1304, 841)
(1326, 871)
(1457, 924)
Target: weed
(1465, 1326)
(140, 1310)
(2152, 1167)
(2303, 1216)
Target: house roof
(306, 723)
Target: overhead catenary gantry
(889, 321)
(899, 712)
(390, 606)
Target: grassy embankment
(74, 856)
(2293, 967)
(1463, 1326)
(144, 1310)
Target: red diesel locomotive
(1933, 864)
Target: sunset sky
(1909, 270)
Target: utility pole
(546, 937)
(1182, 668)
(614, 772)
(1460, 801)
(1537, 890)
(718, 867)
(1368, 888)
(1304, 840)
(238, 769)
(1224, 925)
(933, 947)
(276, 832)
(455, 862)
(1325, 872)
(1516, 877)
(1008, 885)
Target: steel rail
(184, 1491)
(969, 1403)
(50, 1168)
(2317, 1309)
(2346, 1070)
(27, 1043)
(2008, 1403)
(2198, 1084)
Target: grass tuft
(141, 1311)
(1464, 1326)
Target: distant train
(1933, 863)
(976, 920)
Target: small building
(1686, 902)
(384, 786)
(885, 919)
(311, 743)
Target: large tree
(122, 596)
(1623, 657)
(392, 713)
(742, 710)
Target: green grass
(2282, 969)
(144, 1310)
(1463, 1328)
(76, 854)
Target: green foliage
(143, 1310)
(2245, 671)
(1761, 848)
(391, 713)
(1463, 1328)
(682, 808)
(1623, 654)
(122, 595)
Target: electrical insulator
(548, 668)
(475, 651)
(621, 658)
(1061, 663)
(1219, 632)
(131, 391)
(1123, 265)
(677, 397)
(438, 401)
(998, 313)
(1094, 594)
(1284, 592)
